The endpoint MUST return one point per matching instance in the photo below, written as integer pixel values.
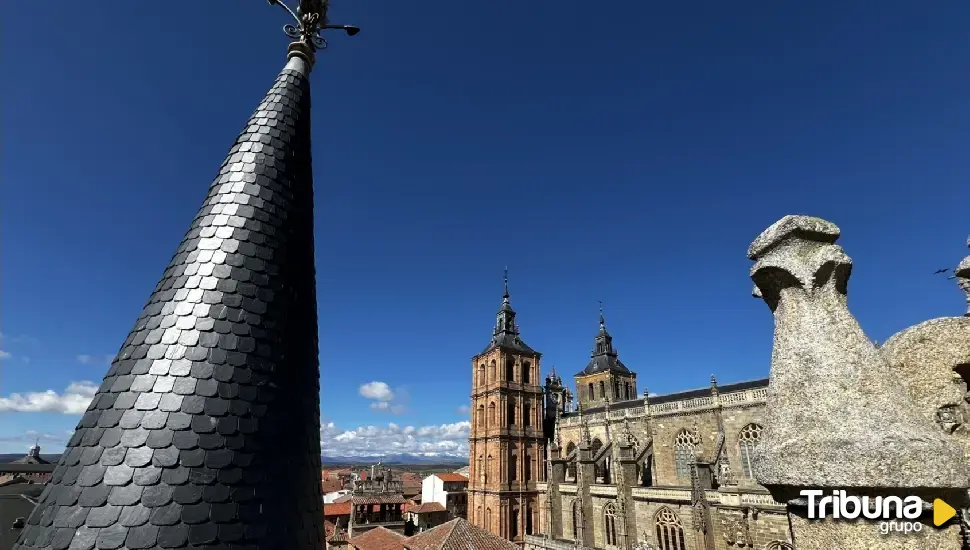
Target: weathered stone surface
(932, 362)
(811, 534)
(836, 416)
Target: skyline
(632, 169)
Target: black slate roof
(687, 394)
(205, 430)
(506, 332)
(604, 356)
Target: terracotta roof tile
(427, 507)
(336, 509)
(379, 538)
(332, 485)
(457, 534)
(452, 477)
(378, 499)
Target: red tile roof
(452, 477)
(379, 538)
(332, 485)
(457, 534)
(410, 476)
(427, 508)
(344, 498)
(378, 499)
(336, 509)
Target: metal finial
(506, 279)
(602, 319)
(311, 20)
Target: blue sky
(627, 153)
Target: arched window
(488, 467)
(526, 374)
(491, 414)
(589, 392)
(683, 453)
(748, 439)
(528, 519)
(670, 533)
(513, 466)
(602, 390)
(511, 413)
(779, 545)
(481, 375)
(509, 369)
(488, 517)
(526, 415)
(609, 519)
(480, 516)
(528, 468)
(628, 395)
(577, 521)
(481, 416)
(616, 390)
(480, 470)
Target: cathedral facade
(613, 468)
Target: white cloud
(74, 400)
(446, 440)
(86, 359)
(377, 390)
(4, 354)
(464, 409)
(385, 399)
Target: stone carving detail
(737, 533)
(824, 366)
(642, 543)
(949, 418)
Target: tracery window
(670, 532)
(609, 518)
(748, 439)
(779, 545)
(683, 453)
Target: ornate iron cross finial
(311, 20)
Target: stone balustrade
(603, 490)
(658, 493)
(732, 399)
(538, 542)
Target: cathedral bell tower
(507, 443)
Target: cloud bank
(73, 400)
(446, 440)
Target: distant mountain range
(10, 457)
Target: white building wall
(432, 490)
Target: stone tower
(605, 376)
(205, 431)
(507, 443)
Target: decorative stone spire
(506, 332)
(834, 417)
(962, 275)
(205, 431)
(604, 356)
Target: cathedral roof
(506, 332)
(201, 400)
(604, 357)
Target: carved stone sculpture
(830, 399)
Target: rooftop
(379, 538)
(427, 508)
(457, 534)
(452, 477)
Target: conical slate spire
(205, 431)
